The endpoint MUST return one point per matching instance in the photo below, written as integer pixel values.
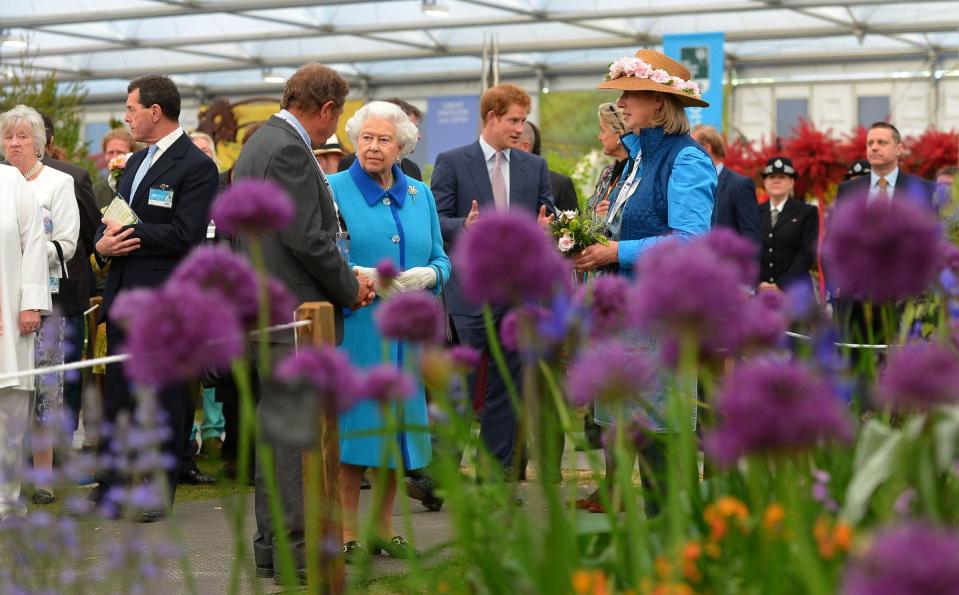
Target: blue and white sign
(451, 122)
(703, 55)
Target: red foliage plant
(852, 147)
(929, 151)
(743, 157)
(816, 158)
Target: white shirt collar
(489, 151)
(719, 168)
(891, 178)
(167, 141)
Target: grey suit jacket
(460, 177)
(304, 256)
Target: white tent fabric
(222, 46)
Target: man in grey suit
(304, 256)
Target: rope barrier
(122, 357)
(91, 309)
(849, 345)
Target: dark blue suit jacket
(908, 186)
(736, 205)
(460, 177)
(166, 235)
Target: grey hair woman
(24, 137)
(612, 126)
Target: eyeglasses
(384, 142)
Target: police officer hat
(858, 168)
(779, 165)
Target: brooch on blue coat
(412, 190)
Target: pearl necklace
(33, 171)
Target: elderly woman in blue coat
(666, 190)
(389, 216)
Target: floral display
(416, 316)
(576, 231)
(252, 207)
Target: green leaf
(876, 456)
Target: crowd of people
(666, 181)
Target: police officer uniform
(789, 233)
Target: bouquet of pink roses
(574, 231)
(116, 167)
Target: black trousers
(118, 398)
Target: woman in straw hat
(666, 190)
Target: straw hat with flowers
(653, 71)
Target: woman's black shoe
(421, 488)
(397, 547)
(42, 496)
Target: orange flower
(664, 569)
(691, 554)
(590, 582)
(773, 518)
(717, 514)
(831, 538)
(672, 589)
(731, 507)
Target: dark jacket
(460, 177)
(908, 186)
(564, 193)
(736, 205)
(789, 248)
(74, 297)
(166, 234)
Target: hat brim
(630, 83)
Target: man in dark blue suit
(169, 185)
(885, 181)
(484, 176)
(736, 206)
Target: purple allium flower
(506, 259)
(763, 324)
(610, 370)
(686, 288)
(252, 207)
(386, 383)
(416, 316)
(386, 271)
(217, 269)
(183, 333)
(882, 253)
(907, 559)
(606, 299)
(328, 370)
(771, 407)
(736, 250)
(919, 376)
(282, 302)
(465, 358)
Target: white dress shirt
(165, 143)
(891, 179)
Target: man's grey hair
(406, 132)
(24, 114)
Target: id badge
(53, 284)
(160, 197)
(343, 245)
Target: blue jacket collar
(373, 192)
(650, 139)
(630, 141)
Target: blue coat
(401, 225)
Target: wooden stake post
(321, 484)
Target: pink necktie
(499, 183)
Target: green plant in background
(60, 101)
(569, 123)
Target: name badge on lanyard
(161, 197)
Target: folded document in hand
(120, 211)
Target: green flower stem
(793, 495)
(681, 444)
(496, 352)
(263, 310)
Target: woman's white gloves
(408, 280)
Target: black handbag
(68, 287)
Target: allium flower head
(738, 251)
(612, 370)
(772, 407)
(465, 358)
(252, 207)
(919, 376)
(326, 369)
(882, 252)
(386, 271)
(606, 299)
(506, 259)
(907, 559)
(688, 288)
(386, 383)
(182, 333)
(416, 316)
(764, 322)
(217, 269)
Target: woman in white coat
(24, 138)
(24, 295)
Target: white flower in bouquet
(566, 243)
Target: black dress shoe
(196, 477)
(365, 482)
(421, 488)
(150, 516)
(42, 496)
(264, 571)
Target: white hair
(23, 114)
(208, 139)
(406, 132)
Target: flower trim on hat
(640, 69)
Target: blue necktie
(141, 172)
